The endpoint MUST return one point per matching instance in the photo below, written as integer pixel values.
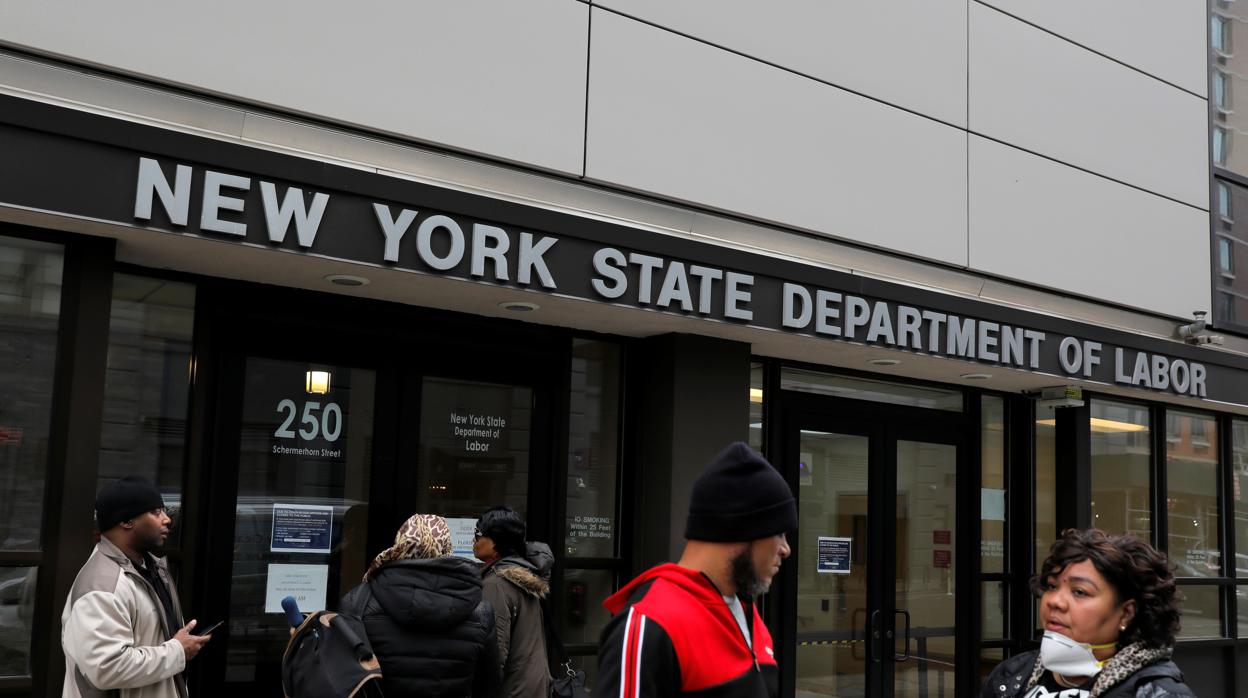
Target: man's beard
(745, 578)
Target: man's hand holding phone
(192, 641)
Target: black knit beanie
(739, 497)
(124, 499)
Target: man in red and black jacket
(691, 627)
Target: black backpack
(328, 656)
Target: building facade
(314, 268)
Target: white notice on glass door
(307, 583)
(461, 537)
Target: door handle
(854, 637)
(874, 632)
(906, 655)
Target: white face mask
(1062, 655)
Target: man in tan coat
(122, 626)
(515, 580)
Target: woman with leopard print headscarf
(1110, 613)
(426, 617)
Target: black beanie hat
(739, 497)
(505, 527)
(124, 499)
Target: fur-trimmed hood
(531, 573)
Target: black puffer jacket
(430, 627)
(1161, 679)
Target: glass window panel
(832, 609)
(1192, 494)
(1046, 483)
(593, 444)
(1224, 200)
(806, 381)
(30, 303)
(1239, 496)
(583, 616)
(301, 521)
(989, 658)
(995, 605)
(17, 605)
(474, 447)
(1241, 610)
(992, 512)
(147, 385)
(926, 565)
(1202, 611)
(589, 664)
(1046, 490)
(756, 406)
(1120, 457)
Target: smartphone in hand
(207, 629)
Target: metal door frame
(884, 424)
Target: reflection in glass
(474, 447)
(583, 616)
(1192, 494)
(1046, 484)
(1239, 495)
(756, 406)
(311, 453)
(1121, 493)
(819, 383)
(147, 385)
(926, 563)
(989, 658)
(17, 605)
(992, 515)
(832, 607)
(593, 442)
(995, 599)
(1241, 598)
(1202, 611)
(1046, 491)
(587, 664)
(30, 305)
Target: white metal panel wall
(778, 113)
(911, 53)
(506, 79)
(1164, 38)
(1042, 93)
(690, 121)
(1046, 223)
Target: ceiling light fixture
(976, 376)
(346, 280)
(1102, 426)
(884, 362)
(519, 306)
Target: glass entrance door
(302, 504)
(877, 564)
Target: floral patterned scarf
(421, 537)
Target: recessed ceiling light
(976, 376)
(884, 362)
(519, 306)
(346, 280)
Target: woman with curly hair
(1110, 613)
